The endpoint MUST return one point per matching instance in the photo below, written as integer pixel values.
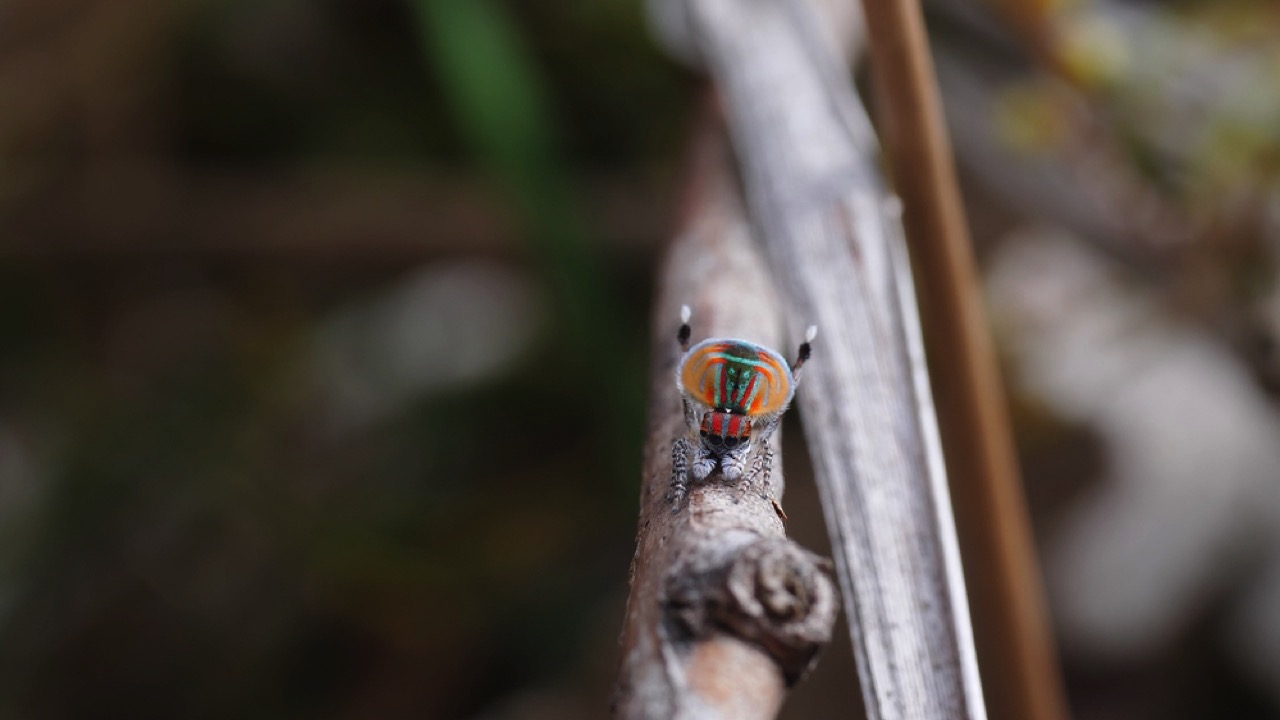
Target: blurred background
(323, 326)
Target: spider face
(724, 431)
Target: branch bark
(725, 613)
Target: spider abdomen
(738, 377)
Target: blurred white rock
(1190, 499)
(446, 326)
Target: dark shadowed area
(324, 325)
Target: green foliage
(500, 100)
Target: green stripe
(744, 381)
(737, 359)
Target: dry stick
(1014, 639)
(831, 230)
(725, 612)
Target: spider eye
(714, 439)
(731, 442)
(704, 433)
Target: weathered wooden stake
(1014, 638)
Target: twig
(724, 611)
(1017, 646)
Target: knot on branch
(773, 593)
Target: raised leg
(682, 335)
(802, 355)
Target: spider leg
(733, 464)
(682, 335)
(690, 414)
(679, 473)
(762, 471)
(703, 462)
(802, 355)
(763, 431)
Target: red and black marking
(725, 431)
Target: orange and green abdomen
(737, 376)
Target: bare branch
(725, 613)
